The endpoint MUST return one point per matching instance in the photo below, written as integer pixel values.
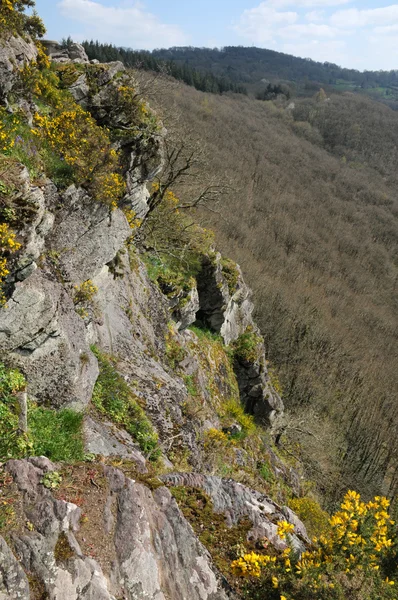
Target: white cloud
(363, 18)
(330, 51)
(315, 16)
(260, 24)
(305, 3)
(126, 25)
(386, 30)
(310, 30)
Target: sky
(360, 34)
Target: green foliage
(207, 82)
(357, 559)
(245, 348)
(51, 480)
(14, 20)
(164, 273)
(266, 472)
(114, 399)
(206, 334)
(191, 385)
(314, 518)
(177, 242)
(231, 274)
(13, 442)
(56, 434)
(232, 410)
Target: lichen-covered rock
(13, 581)
(14, 54)
(256, 391)
(226, 308)
(107, 440)
(163, 559)
(237, 501)
(42, 335)
(154, 551)
(184, 307)
(86, 236)
(57, 53)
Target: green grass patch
(205, 334)
(56, 434)
(114, 399)
(191, 385)
(246, 347)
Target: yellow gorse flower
(359, 544)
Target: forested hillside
(311, 214)
(243, 70)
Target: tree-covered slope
(311, 214)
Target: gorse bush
(314, 518)
(14, 21)
(65, 141)
(8, 245)
(357, 559)
(86, 147)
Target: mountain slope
(312, 216)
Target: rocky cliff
(171, 379)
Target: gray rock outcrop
(237, 501)
(14, 54)
(73, 52)
(151, 551)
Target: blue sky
(359, 34)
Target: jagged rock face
(227, 309)
(75, 52)
(151, 550)
(104, 439)
(14, 54)
(236, 502)
(256, 391)
(143, 152)
(184, 307)
(43, 336)
(86, 236)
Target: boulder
(72, 53)
(42, 335)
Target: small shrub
(245, 348)
(51, 480)
(357, 559)
(114, 399)
(85, 292)
(314, 518)
(231, 274)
